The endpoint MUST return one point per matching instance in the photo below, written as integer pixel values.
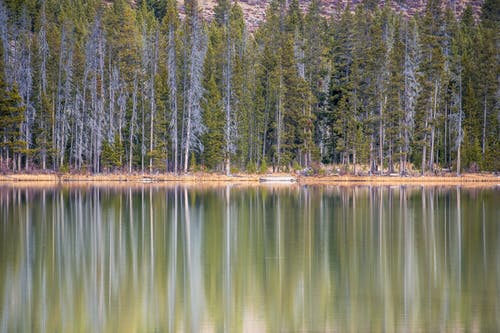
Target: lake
(249, 259)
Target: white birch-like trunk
(433, 126)
(279, 116)
(484, 127)
(460, 116)
(172, 79)
(133, 119)
(228, 92)
(153, 101)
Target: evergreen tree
(42, 130)
(213, 113)
(395, 117)
(431, 68)
(11, 119)
(490, 13)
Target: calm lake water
(250, 259)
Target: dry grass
(486, 179)
(220, 179)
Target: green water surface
(250, 259)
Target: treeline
(97, 86)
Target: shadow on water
(329, 258)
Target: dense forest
(93, 86)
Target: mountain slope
(255, 10)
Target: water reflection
(255, 259)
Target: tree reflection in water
(174, 258)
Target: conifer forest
(152, 86)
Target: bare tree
(43, 50)
(93, 84)
(113, 92)
(4, 35)
(411, 90)
(43, 53)
(64, 85)
(172, 83)
(456, 118)
(230, 126)
(152, 97)
(122, 108)
(22, 74)
(133, 120)
(193, 121)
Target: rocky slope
(255, 10)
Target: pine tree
(158, 7)
(490, 13)
(297, 121)
(488, 85)
(11, 119)
(344, 77)
(431, 68)
(43, 130)
(317, 70)
(213, 113)
(394, 119)
(122, 36)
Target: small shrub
(263, 167)
(64, 168)
(234, 169)
(193, 166)
(251, 167)
(316, 168)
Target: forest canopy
(113, 86)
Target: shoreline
(208, 178)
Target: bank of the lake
(217, 178)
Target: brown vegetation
(215, 178)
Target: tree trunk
(433, 127)
(381, 135)
(143, 148)
(132, 123)
(153, 103)
(44, 155)
(445, 157)
(279, 121)
(354, 160)
(401, 161)
(424, 154)
(227, 78)
(266, 120)
(172, 78)
(484, 127)
(151, 140)
(372, 160)
(460, 133)
(188, 134)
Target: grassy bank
(247, 178)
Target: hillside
(255, 10)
